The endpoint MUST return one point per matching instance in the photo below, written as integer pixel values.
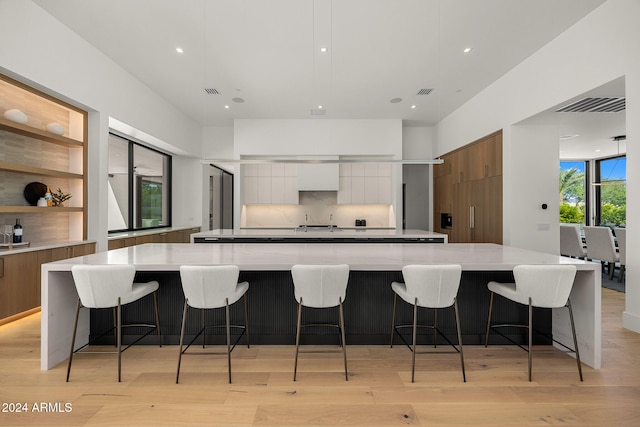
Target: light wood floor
(379, 391)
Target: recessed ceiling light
(226, 107)
(238, 100)
(597, 151)
(179, 50)
(395, 100)
(413, 107)
(467, 50)
(320, 107)
(323, 50)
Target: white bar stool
(320, 286)
(210, 287)
(546, 286)
(428, 286)
(111, 286)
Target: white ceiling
(268, 51)
(593, 132)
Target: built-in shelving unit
(31, 153)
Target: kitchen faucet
(305, 222)
(330, 222)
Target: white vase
(16, 115)
(55, 128)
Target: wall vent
(424, 91)
(211, 91)
(595, 105)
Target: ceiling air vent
(424, 91)
(318, 111)
(211, 91)
(594, 105)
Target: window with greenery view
(139, 186)
(611, 191)
(572, 192)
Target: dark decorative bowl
(33, 191)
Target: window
(139, 186)
(573, 197)
(611, 191)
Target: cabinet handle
(1, 268)
(472, 215)
(486, 171)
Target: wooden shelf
(35, 133)
(32, 170)
(37, 209)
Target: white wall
(320, 137)
(40, 51)
(417, 142)
(601, 47)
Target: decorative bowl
(16, 115)
(55, 128)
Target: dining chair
(110, 286)
(320, 287)
(545, 286)
(571, 243)
(428, 286)
(601, 246)
(211, 287)
(621, 237)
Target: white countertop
(282, 256)
(315, 233)
(42, 246)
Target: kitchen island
(318, 234)
(369, 296)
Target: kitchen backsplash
(318, 205)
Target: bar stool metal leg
(295, 366)
(228, 338)
(73, 339)
(119, 322)
(529, 326)
(413, 349)
(575, 339)
(155, 304)
(486, 340)
(455, 307)
(184, 322)
(344, 343)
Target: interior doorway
(220, 199)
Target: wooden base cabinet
(20, 277)
(19, 283)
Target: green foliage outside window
(571, 214)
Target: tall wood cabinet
(468, 188)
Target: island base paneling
(367, 307)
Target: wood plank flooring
(379, 391)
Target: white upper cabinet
(269, 183)
(365, 183)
